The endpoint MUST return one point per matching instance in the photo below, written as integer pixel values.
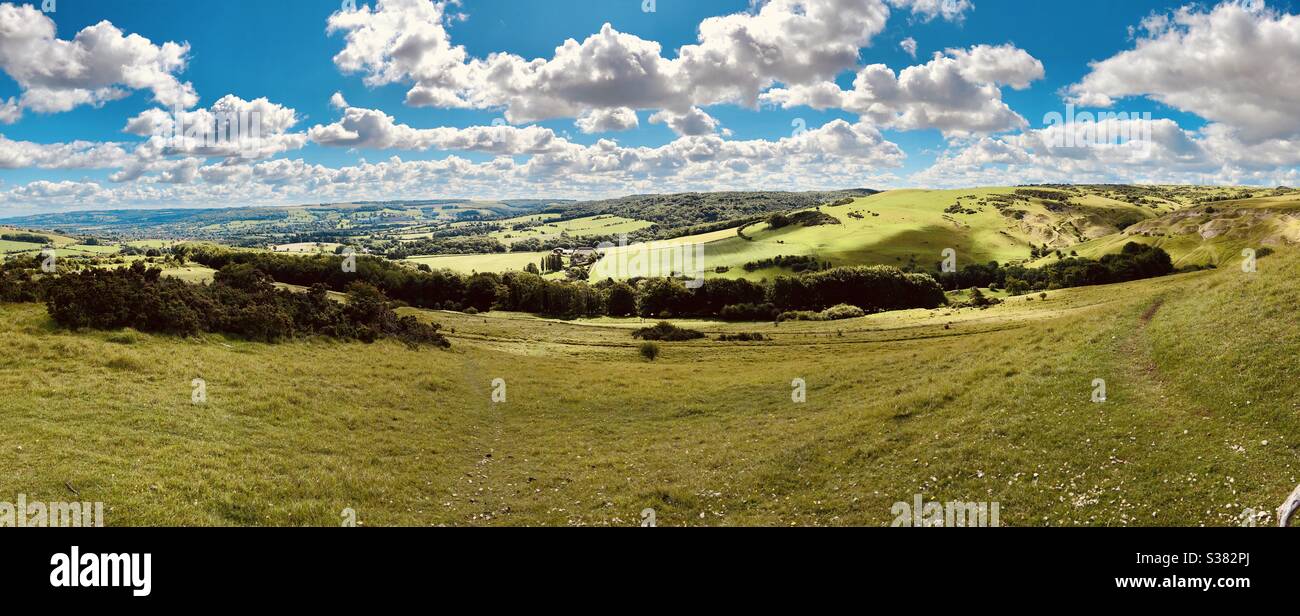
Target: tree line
(242, 301)
(28, 238)
(869, 288)
(675, 212)
(1134, 262)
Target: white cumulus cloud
(958, 92)
(99, 64)
(736, 57)
(1237, 64)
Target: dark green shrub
(242, 302)
(801, 315)
(649, 350)
(667, 332)
(843, 311)
(748, 312)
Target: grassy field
(72, 250)
(309, 248)
(90, 250)
(897, 227)
(905, 226)
(577, 228)
(621, 259)
(191, 273)
(8, 247)
(147, 244)
(57, 240)
(1200, 423)
(497, 262)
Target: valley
(954, 404)
(529, 419)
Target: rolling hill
(1213, 233)
(683, 210)
(275, 225)
(1199, 425)
(906, 228)
(914, 227)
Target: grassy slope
(423, 231)
(309, 247)
(7, 247)
(496, 262)
(191, 273)
(910, 224)
(669, 252)
(576, 228)
(898, 226)
(955, 405)
(517, 261)
(1199, 236)
(893, 228)
(14, 248)
(59, 240)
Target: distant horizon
(72, 210)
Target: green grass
(146, 244)
(8, 247)
(972, 405)
(577, 228)
(191, 273)
(497, 262)
(905, 226)
(910, 224)
(965, 294)
(90, 250)
(309, 248)
(621, 259)
(58, 240)
(1199, 236)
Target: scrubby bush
(843, 311)
(801, 315)
(742, 337)
(241, 302)
(809, 218)
(20, 281)
(978, 300)
(798, 263)
(834, 313)
(29, 238)
(748, 312)
(1016, 286)
(667, 332)
(649, 350)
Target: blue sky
(961, 118)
